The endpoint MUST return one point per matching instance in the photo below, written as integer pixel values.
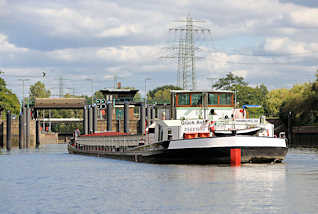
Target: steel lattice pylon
(186, 72)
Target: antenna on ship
(186, 52)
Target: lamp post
(23, 80)
(91, 80)
(146, 89)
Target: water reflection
(54, 181)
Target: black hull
(219, 155)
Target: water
(52, 181)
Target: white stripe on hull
(231, 141)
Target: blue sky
(265, 41)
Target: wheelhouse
(200, 104)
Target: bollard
(141, 130)
(109, 116)
(126, 117)
(20, 131)
(94, 119)
(27, 128)
(37, 134)
(85, 120)
(8, 131)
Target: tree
(161, 94)
(38, 90)
(274, 99)
(230, 82)
(245, 94)
(8, 100)
(300, 103)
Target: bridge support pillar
(90, 120)
(37, 134)
(141, 130)
(126, 117)
(94, 118)
(8, 131)
(85, 120)
(148, 114)
(21, 130)
(118, 125)
(109, 116)
(27, 131)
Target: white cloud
(122, 37)
(284, 45)
(305, 17)
(133, 54)
(240, 73)
(121, 31)
(7, 47)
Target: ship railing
(233, 125)
(112, 141)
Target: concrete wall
(50, 138)
(305, 136)
(132, 124)
(15, 133)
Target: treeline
(301, 100)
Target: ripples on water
(50, 180)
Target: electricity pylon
(186, 52)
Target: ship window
(196, 99)
(213, 99)
(226, 99)
(183, 99)
(151, 130)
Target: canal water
(50, 180)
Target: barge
(205, 128)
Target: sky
(82, 45)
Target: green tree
(274, 99)
(161, 94)
(38, 90)
(252, 96)
(245, 94)
(230, 82)
(301, 102)
(8, 100)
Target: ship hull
(216, 150)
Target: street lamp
(89, 79)
(23, 80)
(146, 89)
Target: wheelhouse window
(225, 99)
(183, 99)
(196, 99)
(213, 99)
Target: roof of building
(59, 103)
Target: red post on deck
(235, 157)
